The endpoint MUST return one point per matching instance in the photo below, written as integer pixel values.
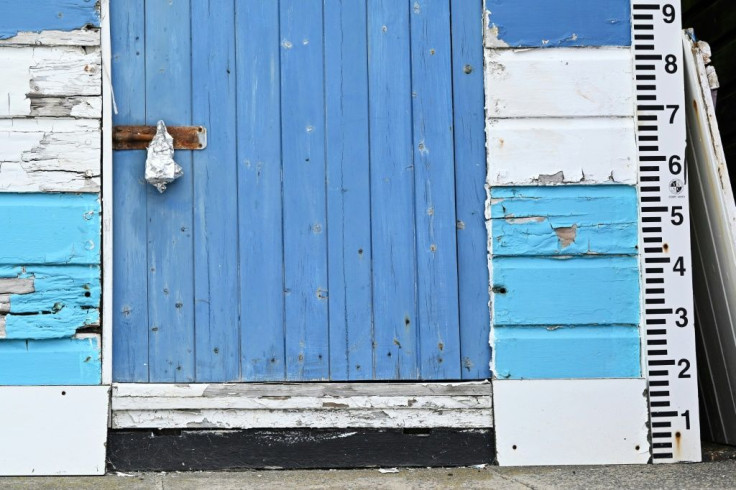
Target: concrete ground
(719, 472)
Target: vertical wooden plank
(259, 191)
(214, 102)
(392, 191)
(305, 223)
(130, 301)
(348, 190)
(170, 253)
(470, 194)
(437, 297)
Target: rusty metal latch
(139, 137)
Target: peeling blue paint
(41, 15)
(566, 220)
(601, 290)
(65, 298)
(546, 23)
(601, 351)
(49, 229)
(50, 362)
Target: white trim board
(53, 430)
(314, 405)
(107, 197)
(571, 421)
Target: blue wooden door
(333, 228)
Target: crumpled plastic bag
(161, 169)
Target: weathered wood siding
(333, 227)
(562, 210)
(49, 192)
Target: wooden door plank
(392, 191)
(470, 193)
(305, 220)
(214, 101)
(170, 252)
(434, 171)
(260, 227)
(130, 283)
(348, 191)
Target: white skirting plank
(551, 151)
(54, 73)
(318, 405)
(49, 155)
(560, 82)
(53, 430)
(571, 422)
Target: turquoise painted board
(45, 15)
(600, 290)
(49, 228)
(50, 362)
(316, 236)
(546, 23)
(470, 175)
(601, 351)
(564, 220)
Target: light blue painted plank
(304, 194)
(55, 287)
(259, 191)
(604, 351)
(348, 191)
(470, 193)
(545, 23)
(50, 229)
(599, 290)
(170, 248)
(216, 283)
(64, 299)
(434, 170)
(130, 281)
(50, 362)
(392, 191)
(41, 15)
(566, 220)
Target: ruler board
(668, 315)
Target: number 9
(669, 13)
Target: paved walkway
(720, 474)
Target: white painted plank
(42, 432)
(302, 403)
(77, 37)
(571, 421)
(107, 193)
(553, 151)
(468, 388)
(560, 82)
(714, 252)
(30, 73)
(281, 419)
(49, 155)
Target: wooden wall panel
(541, 23)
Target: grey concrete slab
(716, 475)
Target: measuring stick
(664, 243)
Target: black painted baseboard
(192, 450)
